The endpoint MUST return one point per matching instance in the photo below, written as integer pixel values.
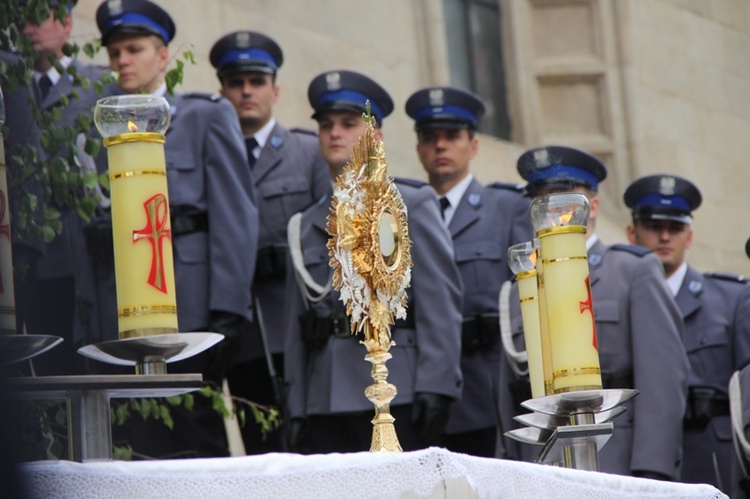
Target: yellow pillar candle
(133, 127)
(528, 295)
(567, 293)
(522, 260)
(144, 269)
(7, 295)
(543, 326)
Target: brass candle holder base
(18, 347)
(150, 354)
(381, 393)
(571, 426)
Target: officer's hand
(429, 415)
(232, 326)
(653, 475)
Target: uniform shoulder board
(202, 95)
(507, 186)
(631, 248)
(410, 181)
(305, 131)
(726, 277)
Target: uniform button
(703, 341)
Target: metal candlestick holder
(571, 426)
(18, 347)
(151, 354)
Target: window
(475, 58)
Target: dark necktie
(444, 204)
(251, 144)
(44, 85)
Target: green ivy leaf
(48, 233)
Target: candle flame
(532, 258)
(132, 126)
(565, 218)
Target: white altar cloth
(433, 472)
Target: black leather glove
(653, 475)
(429, 415)
(232, 326)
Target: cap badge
(114, 7)
(541, 158)
(437, 97)
(667, 185)
(333, 81)
(242, 40)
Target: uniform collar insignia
(595, 259)
(666, 186)
(276, 141)
(474, 199)
(695, 286)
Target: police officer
(323, 361)
(289, 175)
(714, 313)
(213, 218)
(639, 327)
(483, 222)
(46, 296)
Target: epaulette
(631, 248)
(202, 95)
(507, 186)
(304, 131)
(726, 277)
(410, 182)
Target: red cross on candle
(155, 231)
(588, 305)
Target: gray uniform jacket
(332, 379)
(640, 338)
(289, 176)
(716, 310)
(207, 176)
(487, 220)
(23, 130)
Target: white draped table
(432, 472)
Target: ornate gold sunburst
(369, 244)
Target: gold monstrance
(371, 260)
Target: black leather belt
(188, 224)
(704, 403)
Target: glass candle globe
(559, 210)
(131, 113)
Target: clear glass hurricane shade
(559, 210)
(131, 113)
(522, 257)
